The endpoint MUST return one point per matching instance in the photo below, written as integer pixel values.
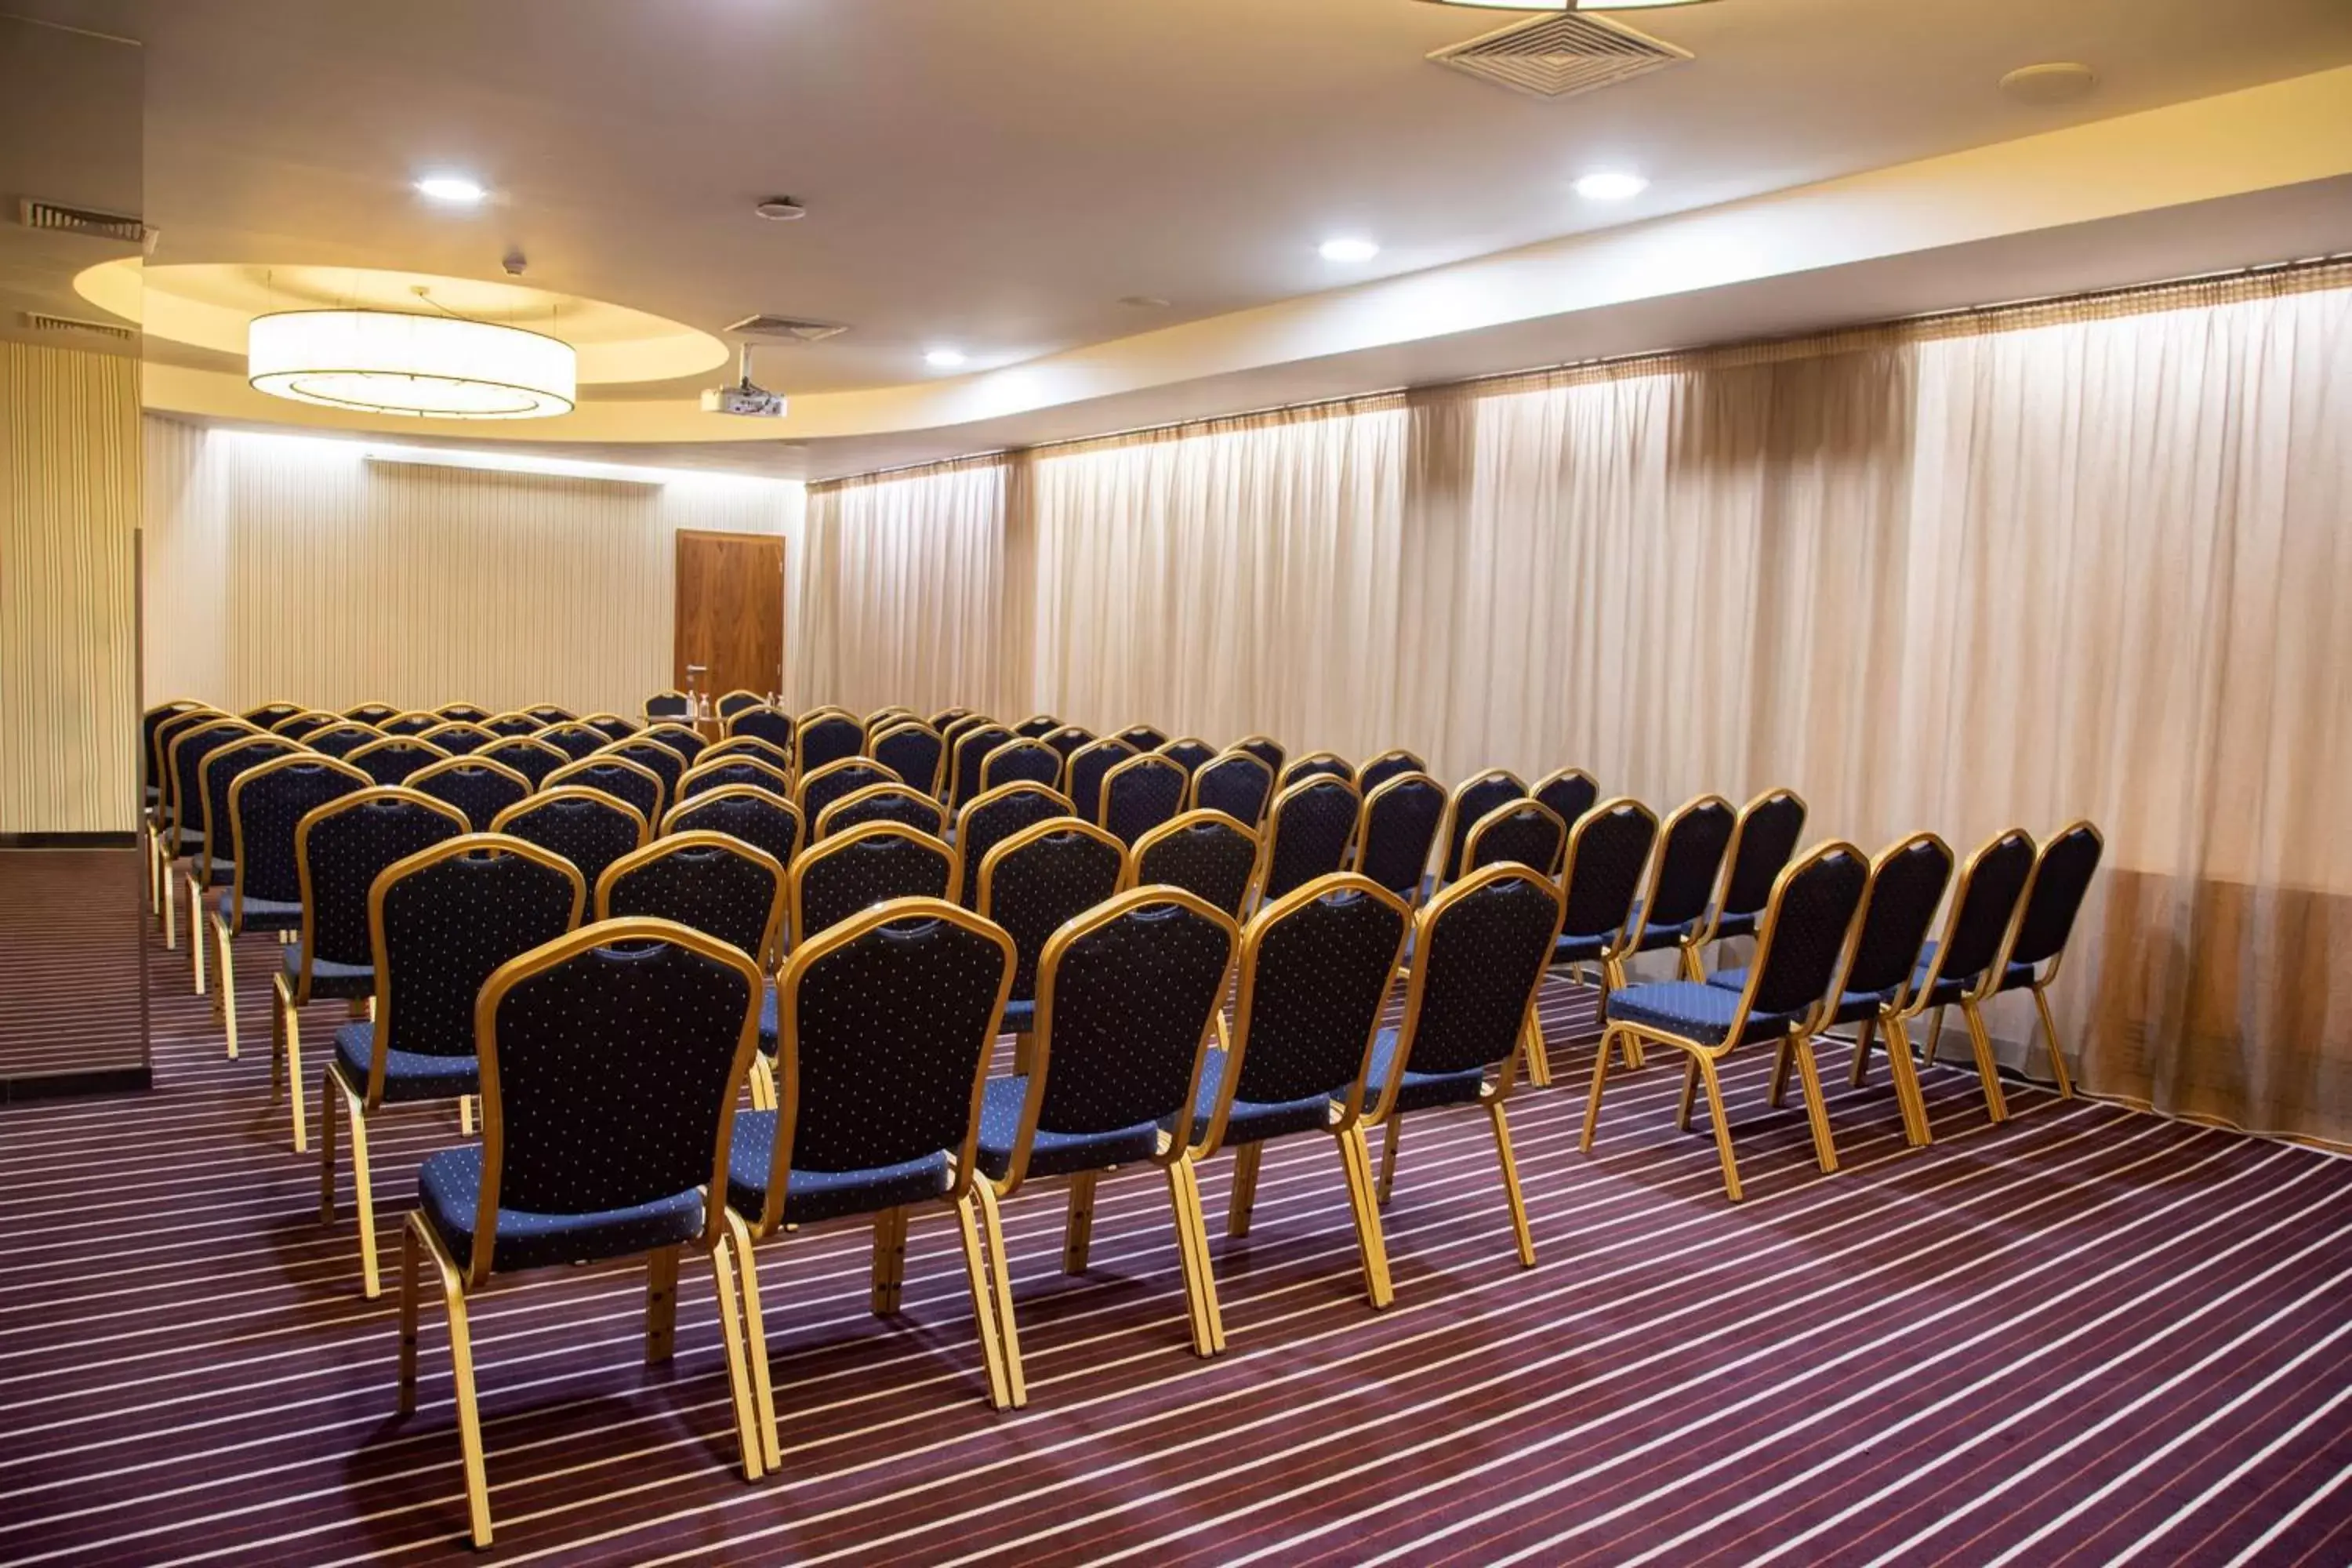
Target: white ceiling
(998, 173)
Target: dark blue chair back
(661, 760)
(913, 752)
(1761, 843)
(1907, 885)
(1607, 849)
(1189, 754)
(1067, 740)
(1804, 929)
(611, 726)
(1388, 765)
(1990, 885)
(298, 726)
(338, 850)
(341, 738)
(371, 713)
(669, 704)
(1400, 822)
(947, 716)
(995, 817)
(1264, 750)
(550, 713)
(410, 724)
(971, 747)
(852, 871)
(443, 919)
(740, 701)
(1315, 765)
(585, 825)
(268, 713)
(1041, 877)
(266, 805)
(826, 738)
(1021, 762)
(1144, 737)
(619, 777)
(1236, 784)
(478, 787)
(151, 751)
(772, 724)
(507, 726)
(463, 712)
(1521, 831)
(1690, 860)
(712, 883)
(1569, 792)
(390, 759)
(1036, 727)
(687, 742)
(1088, 766)
(459, 737)
(886, 802)
(1309, 832)
(1473, 799)
(1205, 854)
(573, 739)
(1140, 794)
(759, 818)
(184, 776)
(734, 769)
(2062, 875)
(838, 780)
(222, 767)
(1480, 950)
(534, 759)
(169, 728)
(1315, 972)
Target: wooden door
(730, 612)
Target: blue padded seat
(1253, 1120)
(407, 1075)
(329, 978)
(1578, 949)
(1020, 1018)
(1852, 1008)
(450, 1184)
(1736, 925)
(2016, 977)
(1690, 1008)
(262, 914)
(1421, 1090)
(814, 1195)
(218, 873)
(768, 1024)
(1656, 935)
(1052, 1153)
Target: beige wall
(69, 509)
(291, 567)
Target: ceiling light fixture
(1611, 185)
(454, 189)
(944, 359)
(1348, 250)
(383, 361)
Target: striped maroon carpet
(2086, 1336)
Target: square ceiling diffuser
(1560, 56)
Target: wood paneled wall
(70, 483)
(292, 567)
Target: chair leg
(1025, 1055)
(1613, 975)
(1859, 1074)
(1778, 1090)
(1538, 1052)
(661, 1303)
(752, 1425)
(889, 1262)
(362, 1181)
(1243, 1195)
(983, 1311)
(196, 935)
(1511, 1194)
(1690, 967)
(1935, 1035)
(327, 1156)
(1817, 1111)
(1193, 1257)
(1356, 1156)
(461, 1378)
(1988, 1070)
(1080, 1229)
(1224, 1035)
(1592, 1105)
(763, 1083)
(1907, 1098)
(170, 910)
(1388, 1157)
(286, 1053)
(408, 1276)
(2057, 1057)
(1000, 1269)
(1722, 1125)
(755, 1344)
(225, 993)
(1690, 1094)
(465, 1115)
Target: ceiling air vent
(1560, 56)
(42, 321)
(787, 329)
(61, 219)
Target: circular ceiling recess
(2057, 81)
(214, 306)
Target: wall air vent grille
(62, 219)
(1560, 56)
(42, 321)
(787, 329)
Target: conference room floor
(2087, 1335)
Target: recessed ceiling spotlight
(2055, 81)
(455, 189)
(1611, 185)
(781, 209)
(944, 359)
(1348, 249)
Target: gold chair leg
(983, 1311)
(1859, 1074)
(1907, 1098)
(1000, 1269)
(661, 1303)
(763, 1083)
(1817, 1111)
(755, 1344)
(1692, 968)
(286, 1053)
(1224, 1035)
(1778, 1090)
(1025, 1055)
(889, 1262)
(1356, 1156)
(461, 1379)
(1722, 1125)
(225, 992)
(1690, 1094)
(1078, 1233)
(465, 1115)
(750, 1427)
(2065, 1079)
(1192, 1256)
(196, 933)
(1388, 1158)
(1592, 1104)
(1935, 1035)
(1988, 1068)
(1535, 1049)
(1511, 1194)
(1243, 1195)
(363, 1181)
(170, 907)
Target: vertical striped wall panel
(292, 567)
(69, 506)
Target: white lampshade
(385, 362)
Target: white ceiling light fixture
(944, 359)
(1348, 250)
(458, 190)
(384, 361)
(1611, 185)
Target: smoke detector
(781, 209)
(1559, 56)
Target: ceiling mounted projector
(743, 399)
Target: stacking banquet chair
(464, 713)
(1144, 737)
(390, 759)
(913, 751)
(1480, 949)
(1316, 970)
(1234, 783)
(632, 783)
(1525, 832)
(1087, 769)
(507, 726)
(1390, 764)
(668, 703)
(213, 866)
(534, 759)
(265, 803)
(1140, 795)
(885, 803)
(1761, 842)
(1017, 761)
(1067, 740)
(269, 714)
(342, 738)
(1898, 904)
(947, 716)
(339, 849)
(611, 1062)
(1125, 995)
(826, 736)
(459, 737)
(2053, 897)
(1606, 851)
(738, 702)
(611, 726)
(297, 726)
(1266, 749)
(714, 882)
(551, 713)
(573, 739)
(1029, 884)
(1473, 798)
(836, 879)
(1315, 765)
(440, 922)
(836, 780)
(1189, 753)
(587, 826)
(754, 816)
(184, 803)
(734, 769)
(679, 738)
(772, 725)
(1569, 792)
(370, 714)
(155, 726)
(1205, 853)
(1036, 727)
(656, 758)
(968, 752)
(752, 747)
(1401, 816)
(1798, 949)
(475, 785)
(888, 716)
(1963, 965)
(995, 817)
(412, 723)
(1309, 832)
(1672, 911)
(888, 1021)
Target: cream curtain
(2073, 562)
